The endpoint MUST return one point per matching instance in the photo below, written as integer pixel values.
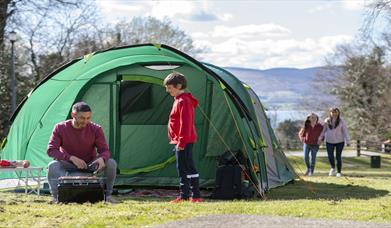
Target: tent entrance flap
(144, 108)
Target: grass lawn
(362, 194)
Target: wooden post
(358, 148)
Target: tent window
(135, 97)
(143, 103)
(162, 67)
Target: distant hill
(285, 88)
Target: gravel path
(248, 221)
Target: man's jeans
(313, 149)
(58, 169)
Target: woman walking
(309, 135)
(335, 133)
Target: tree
(359, 76)
(362, 90)
(38, 24)
(50, 40)
(287, 132)
(151, 30)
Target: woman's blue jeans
(338, 154)
(313, 150)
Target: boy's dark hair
(174, 79)
(81, 107)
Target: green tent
(124, 88)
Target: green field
(362, 194)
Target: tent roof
(98, 62)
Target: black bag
(228, 182)
(80, 189)
(231, 158)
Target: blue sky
(254, 34)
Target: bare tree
(53, 32)
(151, 30)
(37, 23)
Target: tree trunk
(4, 107)
(3, 20)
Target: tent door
(102, 99)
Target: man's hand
(79, 163)
(101, 164)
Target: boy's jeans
(313, 149)
(58, 169)
(189, 177)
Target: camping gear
(13, 164)
(231, 178)
(124, 88)
(80, 189)
(228, 182)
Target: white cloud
(120, 8)
(250, 31)
(226, 17)
(355, 4)
(193, 11)
(170, 9)
(199, 35)
(268, 53)
(321, 7)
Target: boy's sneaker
(196, 200)
(339, 175)
(307, 173)
(178, 200)
(310, 173)
(332, 171)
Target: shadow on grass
(328, 191)
(364, 173)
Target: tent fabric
(279, 169)
(124, 88)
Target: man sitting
(75, 143)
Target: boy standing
(182, 134)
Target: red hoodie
(181, 129)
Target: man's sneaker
(310, 173)
(196, 200)
(54, 200)
(332, 171)
(111, 200)
(307, 172)
(339, 175)
(178, 200)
